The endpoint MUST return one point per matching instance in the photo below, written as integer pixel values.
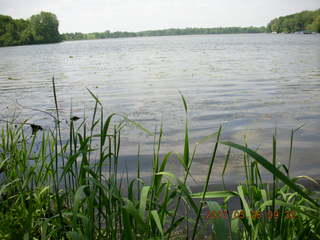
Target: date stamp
(255, 214)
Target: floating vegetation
(11, 78)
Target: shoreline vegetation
(38, 29)
(43, 28)
(163, 32)
(56, 188)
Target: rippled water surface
(251, 84)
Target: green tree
(315, 26)
(302, 21)
(8, 31)
(44, 27)
(40, 28)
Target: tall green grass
(56, 189)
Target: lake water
(251, 84)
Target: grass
(56, 189)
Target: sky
(137, 15)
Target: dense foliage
(39, 28)
(303, 21)
(164, 32)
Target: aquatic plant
(52, 188)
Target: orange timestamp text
(255, 214)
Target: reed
(72, 189)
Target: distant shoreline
(269, 33)
(75, 40)
(71, 40)
(173, 35)
(162, 32)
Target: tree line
(164, 32)
(43, 28)
(306, 21)
(39, 28)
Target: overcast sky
(137, 15)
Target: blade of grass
(206, 185)
(269, 166)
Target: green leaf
(3, 187)
(245, 205)
(136, 125)
(235, 229)
(156, 218)
(105, 128)
(131, 189)
(75, 236)
(78, 197)
(184, 102)
(307, 178)
(219, 224)
(215, 194)
(182, 162)
(164, 162)
(95, 97)
(168, 174)
(175, 225)
(226, 162)
(130, 208)
(127, 227)
(186, 153)
(267, 165)
(299, 208)
(71, 160)
(143, 200)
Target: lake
(251, 84)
